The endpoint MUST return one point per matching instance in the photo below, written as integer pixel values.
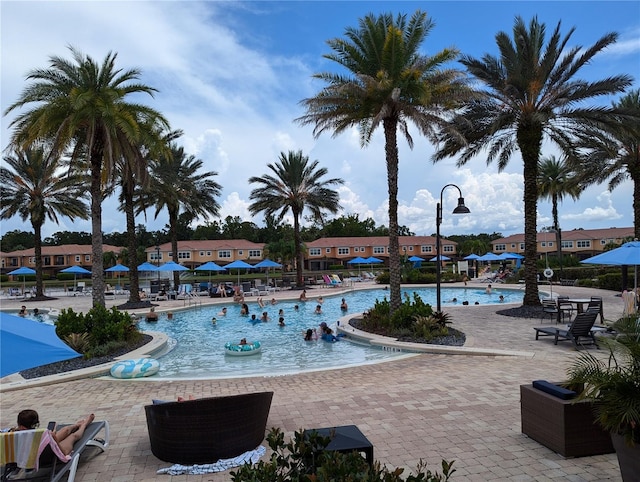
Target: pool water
(199, 344)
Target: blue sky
(231, 76)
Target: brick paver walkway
(457, 407)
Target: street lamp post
(460, 209)
(158, 262)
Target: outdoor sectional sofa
(207, 429)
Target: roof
(572, 235)
(367, 241)
(206, 244)
(65, 249)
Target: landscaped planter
(565, 426)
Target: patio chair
(550, 309)
(580, 331)
(208, 429)
(50, 463)
(596, 305)
(565, 307)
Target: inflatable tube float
(235, 349)
(141, 367)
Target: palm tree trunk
(37, 247)
(391, 153)
(134, 281)
(97, 280)
(556, 227)
(635, 177)
(298, 249)
(529, 143)
(173, 228)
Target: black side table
(344, 439)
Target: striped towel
(250, 457)
(24, 447)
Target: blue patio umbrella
(358, 260)
(76, 270)
(628, 254)
(489, 257)
(210, 266)
(471, 257)
(416, 260)
(26, 343)
(238, 264)
(23, 271)
(267, 263)
(172, 266)
(510, 256)
(373, 260)
(440, 257)
(146, 266)
(118, 268)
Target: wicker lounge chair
(208, 429)
(579, 331)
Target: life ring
(141, 367)
(235, 349)
(548, 273)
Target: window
(362, 249)
(448, 248)
(87, 258)
(425, 249)
(224, 254)
(378, 250)
(521, 246)
(567, 244)
(583, 244)
(314, 251)
(240, 252)
(543, 244)
(155, 256)
(327, 250)
(410, 248)
(501, 247)
(184, 254)
(78, 257)
(550, 244)
(201, 254)
(255, 253)
(343, 251)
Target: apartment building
(197, 252)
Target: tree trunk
(556, 227)
(391, 153)
(37, 248)
(529, 142)
(298, 249)
(634, 172)
(134, 281)
(97, 272)
(173, 228)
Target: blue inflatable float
(141, 367)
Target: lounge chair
(550, 309)
(579, 332)
(336, 279)
(208, 429)
(50, 462)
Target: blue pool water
(199, 344)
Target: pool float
(235, 349)
(141, 367)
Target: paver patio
(457, 407)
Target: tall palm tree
(617, 158)
(390, 83)
(82, 104)
(556, 179)
(177, 185)
(32, 187)
(531, 94)
(294, 185)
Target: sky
(232, 74)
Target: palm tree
(295, 184)
(617, 158)
(177, 185)
(32, 187)
(390, 83)
(531, 95)
(556, 180)
(81, 104)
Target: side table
(344, 439)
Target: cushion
(159, 402)
(555, 390)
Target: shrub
(78, 341)
(102, 327)
(304, 459)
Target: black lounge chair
(53, 469)
(579, 331)
(208, 429)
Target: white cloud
(604, 212)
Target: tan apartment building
(197, 252)
(325, 252)
(54, 258)
(581, 243)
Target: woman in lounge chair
(66, 437)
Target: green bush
(105, 328)
(403, 317)
(4, 278)
(304, 459)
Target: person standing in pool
(244, 310)
(343, 305)
(488, 290)
(303, 296)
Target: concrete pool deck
(430, 406)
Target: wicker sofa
(208, 429)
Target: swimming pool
(199, 344)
